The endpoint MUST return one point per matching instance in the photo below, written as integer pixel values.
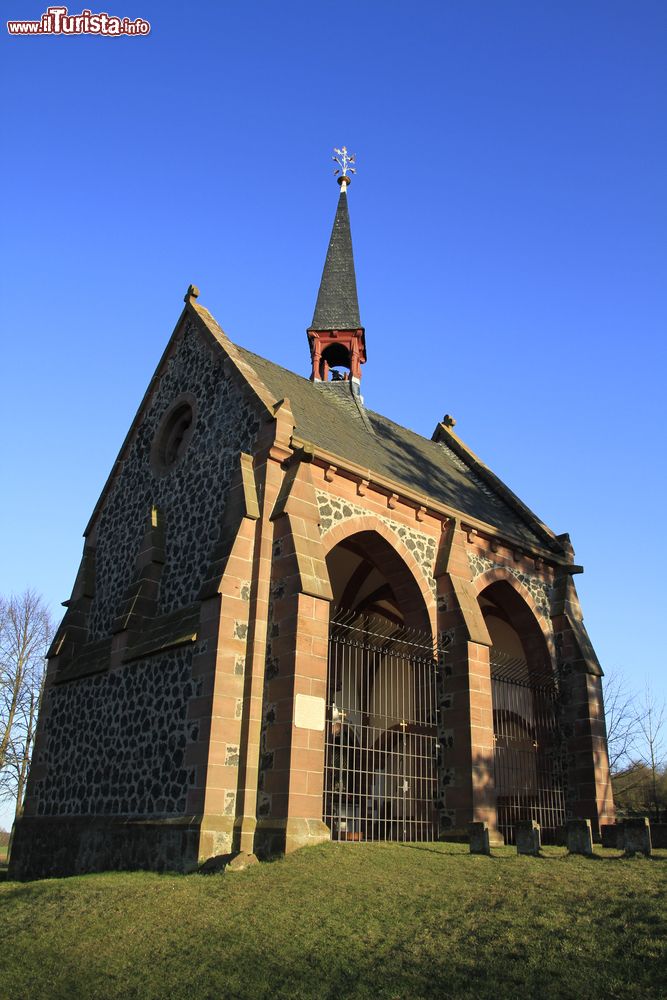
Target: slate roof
(337, 306)
(330, 417)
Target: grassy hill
(380, 921)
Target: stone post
(578, 836)
(528, 837)
(637, 836)
(479, 838)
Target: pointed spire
(337, 303)
(336, 336)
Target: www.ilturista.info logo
(57, 21)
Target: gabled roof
(331, 417)
(337, 306)
(328, 415)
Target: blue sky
(509, 219)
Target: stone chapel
(295, 621)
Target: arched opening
(334, 357)
(381, 739)
(527, 755)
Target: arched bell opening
(527, 744)
(381, 739)
(335, 357)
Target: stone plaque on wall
(309, 712)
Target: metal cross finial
(343, 160)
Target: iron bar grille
(380, 775)
(527, 748)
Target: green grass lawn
(337, 921)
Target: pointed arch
(408, 578)
(502, 575)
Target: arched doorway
(527, 744)
(380, 776)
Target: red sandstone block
(316, 783)
(315, 740)
(303, 646)
(224, 706)
(234, 607)
(305, 806)
(221, 776)
(320, 648)
(301, 506)
(316, 629)
(216, 800)
(216, 729)
(301, 684)
(479, 684)
(481, 736)
(318, 685)
(217, 754)
(311, 668)
(243, 550)
(298, 783)
(237, 568)
(251, 775)
(322, 610)
(230, 685)
(306, 760)
(299, 738)
(481, 701)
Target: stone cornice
(423, 504)
(445, 435)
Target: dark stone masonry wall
(115, 743)
(333, 510)
(191, 496)
(540, 591)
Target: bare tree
(653, 745)
(25, 632)
(622, 713)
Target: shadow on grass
(420, 847)
(563, 856)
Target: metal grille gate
(380, 774)
(527, 759)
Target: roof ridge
(275, 364)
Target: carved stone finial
(448, 421)
(192, 293)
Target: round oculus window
(174, 435)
